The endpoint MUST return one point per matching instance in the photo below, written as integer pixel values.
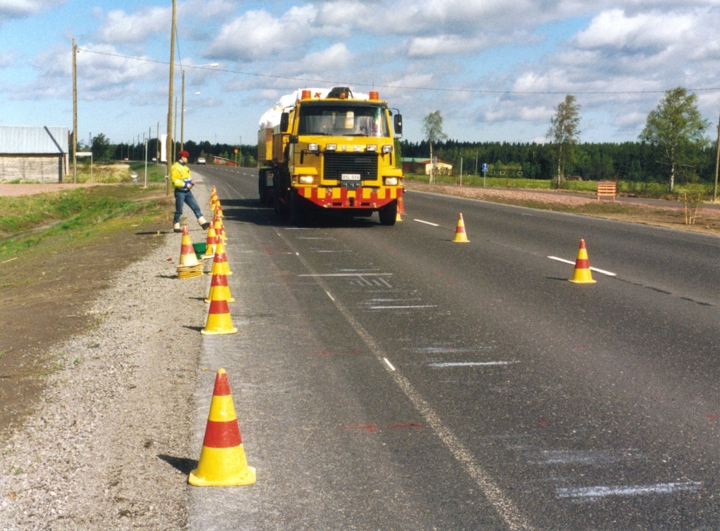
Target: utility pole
(717, 164)
(74, 93)
(169, 144)
(182, 114)
(157, 146)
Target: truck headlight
(390, 181)
(330, 147)
(306, 179)
(387, 148)
(314, 148)
(372, 148)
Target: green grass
(28, 221)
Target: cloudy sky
(496, 69)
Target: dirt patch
(45, 299)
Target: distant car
(201, 160)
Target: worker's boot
(204, 223)
(177, 228)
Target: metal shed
(33, 154)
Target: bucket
(200, 249)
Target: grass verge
(79, 214)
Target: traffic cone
(460, 236)
(211, 243)
(218, 319)
(220, 263)
(582, 274)
(222, 458)
(219, 289)
(219, 229)
(189, 266)
(401, 205)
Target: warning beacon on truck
(330, 149)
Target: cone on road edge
(218, 319)
(222, 460)
(582, 274)
(460, 235)
(211, 243)
(219, 288)
(188, 266)
(220, 263)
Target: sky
(495, 69)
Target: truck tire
(388, 214)
(297, 209)
(262, 186)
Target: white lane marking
(331, 297)
(346, 274)
(470, 364)
(493, 494)
(635, 490)
(389, 364)
(426, 222)
(601, 271)
(402, 307)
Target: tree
(101, 148)
(564, 133)
(675, 127)
(433, 130)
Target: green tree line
(627, 161)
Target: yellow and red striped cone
(189, 266)
(211, 241)
(219, 229)
(460, 235)
(401, 205)
(187, 251)
(220, 263)
(582, 274)
(218, 319)
(219, 289)
(222, 458)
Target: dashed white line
(426, 222)
(635, 490)
(470, 364)
(601, 271)
(389, 364)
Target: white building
(34, 154)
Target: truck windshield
(343, 120)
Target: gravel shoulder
(108, 444)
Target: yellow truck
(330, 150)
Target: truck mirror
(398, 124)
(284, 121)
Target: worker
(180, 177)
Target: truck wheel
(388, 214)
(262, 183)
(297, 209)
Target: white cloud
(258, 35)
(121, 27)
(444, 45)
(337, 57)
(10, 9)
(646, 30)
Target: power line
(429, 89)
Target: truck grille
(339, 163)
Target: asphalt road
(388, 378)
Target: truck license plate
(350, 176)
